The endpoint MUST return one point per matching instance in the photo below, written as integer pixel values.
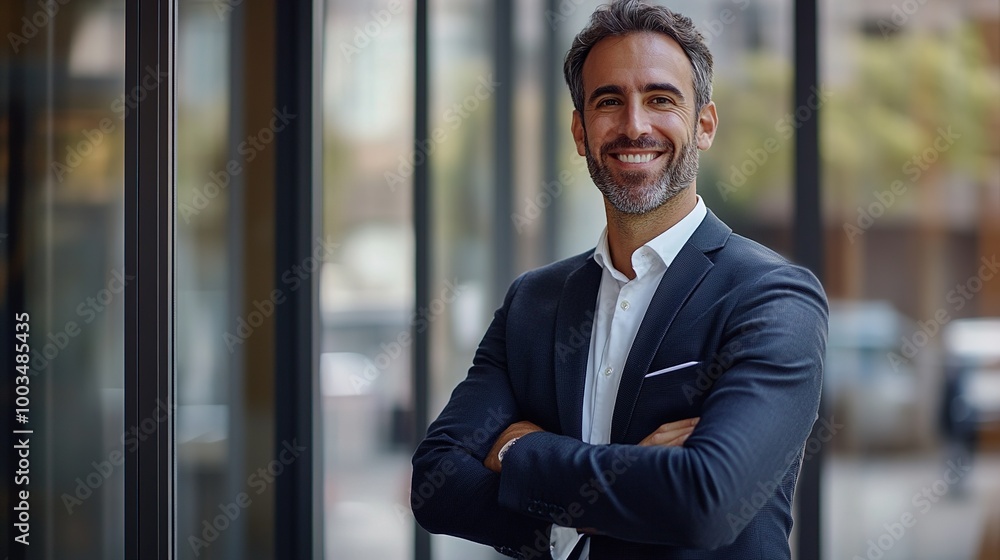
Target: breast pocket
(666, 395)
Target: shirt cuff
(562, 540)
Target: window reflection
(911, 197)
(366, 288)
(61, 149)
(207, 470)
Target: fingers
(671, 433)
(672, 438)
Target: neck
(628, 232)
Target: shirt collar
(658, 252)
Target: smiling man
(650, 398)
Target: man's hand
(671, 434)
(515, 430)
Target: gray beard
(638, 193)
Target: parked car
(884, 400)
(970, 410)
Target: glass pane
(463, 184)
(912, 201)
(366, 288)
(207, 482)
(62, 148)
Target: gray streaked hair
(623, 17)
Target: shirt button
(625, 305)
(608, 370)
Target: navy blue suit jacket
(756, 326)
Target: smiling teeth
(635, 158)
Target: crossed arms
(754, 422)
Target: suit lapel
(681, 278)
(574, 324)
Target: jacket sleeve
(452, 492)
(755, 420)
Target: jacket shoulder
(554, 274)
(747, 262)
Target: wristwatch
(503, 450)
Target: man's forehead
(637, 59)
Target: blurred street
(862, 495)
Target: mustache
(641, 143)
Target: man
(651, 398)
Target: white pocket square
(671, 368)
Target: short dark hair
(623, 17)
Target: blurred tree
(905, 92)
(885, 110)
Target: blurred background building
(909, 109)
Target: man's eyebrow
(604, 90)
(618, 90)
(664, 87)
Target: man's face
(639, 131)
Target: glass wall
(911, 185)
(61, 192)
(366, 288)
(463, 186)
(206, 417)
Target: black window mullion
(16, 94)
(297, 532)
(149, 294)
(808, 245)
(422, 251)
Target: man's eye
(662, 100)
(607, 102)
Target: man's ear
(579, 136)
(708, 123)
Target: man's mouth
(637, 157)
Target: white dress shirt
(621, 305)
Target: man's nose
(636, 121)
